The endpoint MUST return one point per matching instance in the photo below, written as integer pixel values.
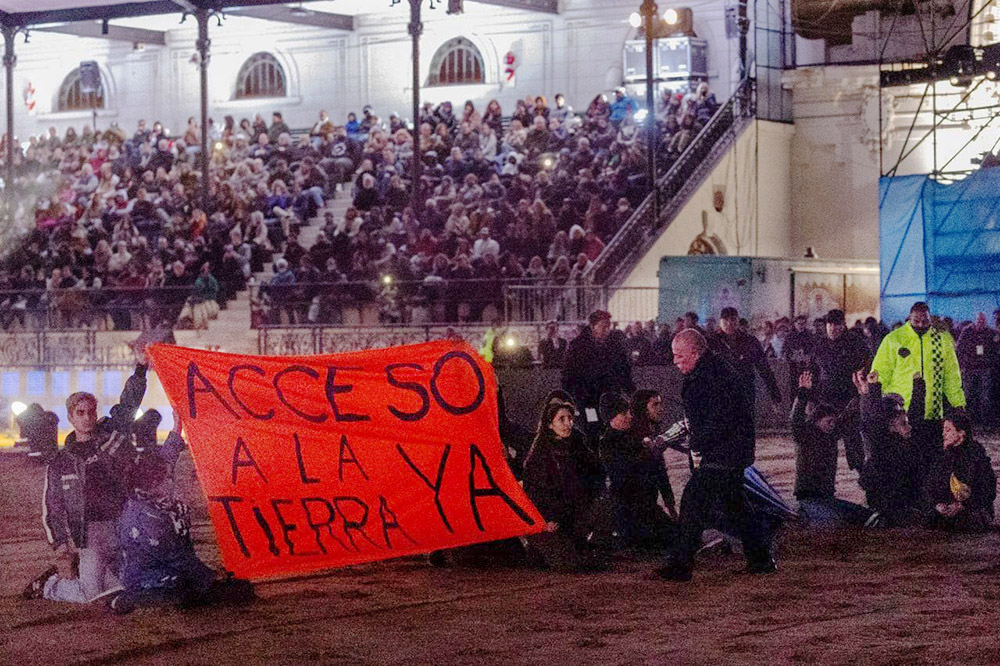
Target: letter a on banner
(314, 462)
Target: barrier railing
(109, 308)
(391, 303)
(66, 349)
(676, 186)
(304, 340)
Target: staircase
(231, 331)
(675, 188)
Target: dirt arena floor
(885, 597)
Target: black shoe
(36, 587)
(759, 568)
(674, 573)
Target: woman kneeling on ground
(961, 486)
(562, 476)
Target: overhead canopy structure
(24, 13)
(36, 12)
(940, 243)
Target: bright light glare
(670, 16)
(640, 115)
(218, 145)
(18, 407)
(387, 279)
(510, 341)
(138, 414)
(635, 20)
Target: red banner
(311, 462)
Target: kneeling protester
(961, 486)
(159, 564)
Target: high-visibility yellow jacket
(486, 349)
(904, 353)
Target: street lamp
(416, 29)
(650, 13)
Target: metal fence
(432, 303)
(306, 340)
(109, 308)
(575, 303)
(65, 348)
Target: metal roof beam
(110, 12)
(543, 6)
(297, 15)
(113, 32)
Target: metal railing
(676, 186)
(306, 340)
(65, 349)
(433, 303)
(108, 308)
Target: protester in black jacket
(891, 475)
(595, 364)
(815, 439)
(719, 414)
(85, 492)
(630, 469)
(647, 422)
(960, 489)
(562, 476)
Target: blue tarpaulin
(940, 243)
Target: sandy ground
(888, 597)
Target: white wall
(756, 215)
(577, 52)
(840, 149)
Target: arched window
(71, 98)
(457, 62)
(261, 76)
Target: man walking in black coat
(596, 363)
(744, 354)
(720, 418)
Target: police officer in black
(744, 354)
(719, 414)
(596, 363)
(836, 357)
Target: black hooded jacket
(594, 368)
(563, 478)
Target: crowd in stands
(113, 232)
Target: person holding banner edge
(84, 494)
